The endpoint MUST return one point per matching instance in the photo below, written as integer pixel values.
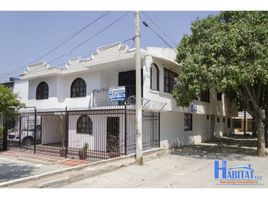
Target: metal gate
(23, 130)
(86, 133)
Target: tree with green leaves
(9, 102)
(227, 52)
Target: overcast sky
(26, 36)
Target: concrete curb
(54, 182)
(78, 177)
(158, 152)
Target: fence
(92, 134)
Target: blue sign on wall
(117, 94)
(193, 108)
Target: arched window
(78, 88)
(154, 77)
(84, 125)
(42, 91)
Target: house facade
(83, 85)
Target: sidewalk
(186, 167)
(189, 169)
(15, 165)
(73, 174)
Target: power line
(55, 59)
(91, 37)
(59, 45)
(29, 56)
(146, 25)
(72, 36)
(102, 30)
(146, 15)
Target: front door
(113, 145)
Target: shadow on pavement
(227, 148)
(238, 140)
(13, 171)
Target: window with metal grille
(205, 96)
(188, 122)
(154, 77)
(78, 88)
(219, 96)
(169, 80)
(42, 91)
(84, 125)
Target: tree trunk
(260, 134)
(254, 126)
(266, 126)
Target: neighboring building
(82, 85)
(10, 83)
(243, 122)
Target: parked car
(26, 137)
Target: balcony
(101, 99)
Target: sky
(26, 36)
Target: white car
(26, 137)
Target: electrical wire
(99, 32)
(58, 46)
(148, 17)
(29, 56)
(146, 25)
(72, 36)
(91, 37)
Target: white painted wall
(173, 133)
(60, 88)
(104, 74)
(21, 88)
(97, 141)
(50, 129)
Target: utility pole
(139, 156)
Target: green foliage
(9, 102)
(225, 52)
(85, 147)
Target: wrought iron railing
(100, 98)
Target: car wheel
(27, 141)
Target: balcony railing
(100, 98)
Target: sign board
(193, 108)
(117, 94)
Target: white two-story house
(82, 86)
